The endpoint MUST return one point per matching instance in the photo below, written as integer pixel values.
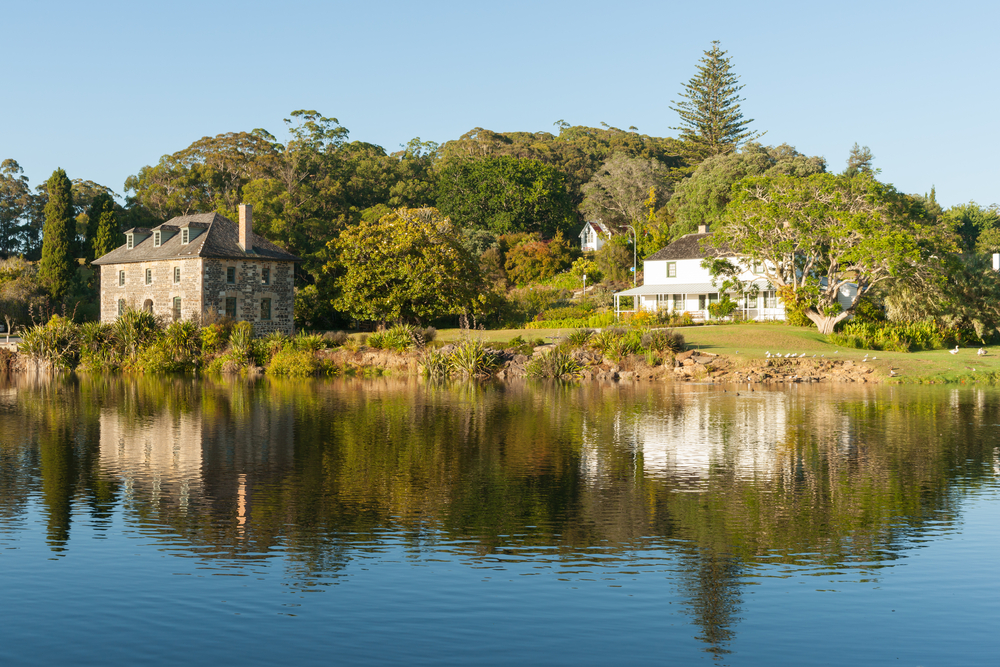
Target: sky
(103, 89)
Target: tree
(978, 227)
(505, 195)
(711, 120)
(106, 235)
(813, 236)
(619, 193)
(860, 159)
(56, 269)
(15, 198)
(410, 265)
(702, 198)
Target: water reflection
(717, 487)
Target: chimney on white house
(246, 227)
(703, 229)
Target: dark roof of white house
(690, 246)
(219, 240)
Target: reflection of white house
(676, 281)
(590, 237)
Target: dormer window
(156, 239)
(185, 236)
(130, 240)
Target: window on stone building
(231, 307)
(121, 307)
(177, 274)
(156, 239)
(149, 276)
(177, 308)
(231, 275)
(121, 278)
(265, 309)
(265, 276)
(185, 236)
(130, 241)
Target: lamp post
(634, 241)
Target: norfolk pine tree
(711, 120)
(56, 269)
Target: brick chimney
(246, 227)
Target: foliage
(55, 342)
(896, 336)
(702, 198)
(291, 362)
(660, 340)
(586, 266)
(977, 227)
(711, 120)
(57, 268)
(338, 338)
(615, 259)
(472, 358)
(400, 337)
(593, 321)
(530, 259)
(556, 364)
(215, 337)
(619, 193)
(16, 202)
(724, 307)
(505, 194)
(134, 330)
(309, 341)
(818, 234)
(580, 337)
(408, 266)
(19, 290)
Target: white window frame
(130, 241)
(671, 269)
(121, 277)
(157, 238)
(149, 276)
(177, 274)
(185, 236)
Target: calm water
(397, 522)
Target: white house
(590, 237)
(676, 281)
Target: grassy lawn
(753, 341)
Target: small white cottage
(590, 237)
(676, 281)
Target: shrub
(724, 307)
(335, 338)
(400, 337)
(309, 341)
(290, 362)
(472, 358)
(896, 336)
(214, 337)
(133, 331)
(555, 364)
(659, 340)
(56, 342)
(580, 337)
(434, 363)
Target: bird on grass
(981, 352)
(955, 351)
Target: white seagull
(955, 351)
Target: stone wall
(248, 291)
(158, 294)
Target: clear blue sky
(102, 89)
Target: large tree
(702, 198)
(505, 195)
(409, 265)
(103, 232)
(711, 120)
(619, 193)
(813, 236)
(15, 199)
(56, 269)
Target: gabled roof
(219, 240)
(596, 226)
(690, 246)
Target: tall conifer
(56, 269)
(711, 120)
(107, 236)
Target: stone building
(203, 263)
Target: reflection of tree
(326, 470)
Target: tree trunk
(825, 323)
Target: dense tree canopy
(505, 195)
(409, 266)
(702, 198)
(15, 197)
(619, 193)
(813, 236)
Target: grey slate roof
(219, 240)
(690, 246)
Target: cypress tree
(711, 120)
(107, 236)
(56, 269)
